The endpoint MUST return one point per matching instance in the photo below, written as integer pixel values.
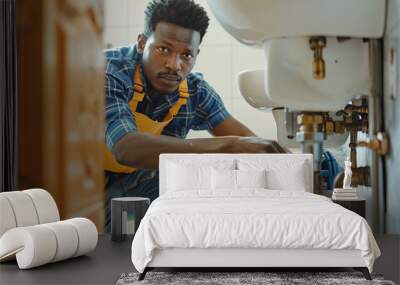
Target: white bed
(247, 227)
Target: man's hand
(243, 140)
(251, 145)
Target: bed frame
(245, 259)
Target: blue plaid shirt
(204, 109)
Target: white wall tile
(114, 37)
(215, 64)
(245, 58)
(116, 13)
(135, 9)
(216, 36)
(133, 33)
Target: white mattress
(252, 218)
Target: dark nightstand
(357, 206)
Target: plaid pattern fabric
(204, 109)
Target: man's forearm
(141, 150)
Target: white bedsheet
(250, 218)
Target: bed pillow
(282, 173)
(223, 179)
(185, 177)
(294, 179)
(193, 174)
(251, 178)
(228, 179)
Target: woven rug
(244, 278)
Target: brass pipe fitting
(317, 44)
(356, 109)
(380, 144)
(339, 127)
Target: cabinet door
(81, 112)
(70, 96)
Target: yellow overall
(143, 122)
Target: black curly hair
(184, 13)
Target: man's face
(169, 55)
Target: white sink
(288, 77)
(251, 87)
(254, 21)
(283, 28)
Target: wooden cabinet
(61, 108)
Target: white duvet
(252, 218)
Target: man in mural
(153, 101)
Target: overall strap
(138, 86)
(183, 95)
